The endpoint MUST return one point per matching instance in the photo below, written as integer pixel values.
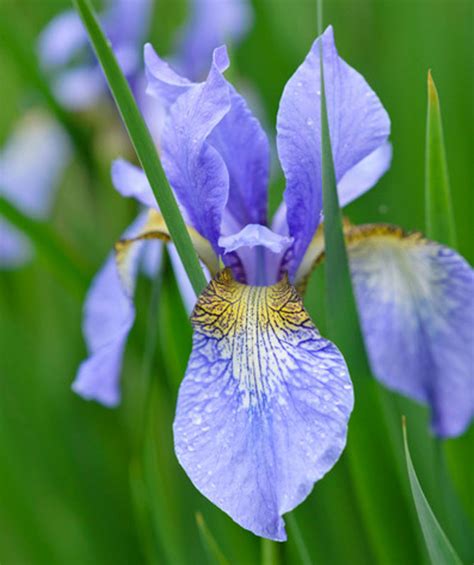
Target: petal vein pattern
(263, 409)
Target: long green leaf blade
(439, 548)
(439, 210)
(341, 311)
(143, 145)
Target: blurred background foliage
(78, 482)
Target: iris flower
(263, 409)
(31, 162)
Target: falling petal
(263, 409)
(416, 302)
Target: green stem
(143, 145)
(270, 552)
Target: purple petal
(109, 314)
(31, 163)
(260, 251)
(254, 235)
(163, 83)
(185, 287)
(210, 25)
(61, 39)
(131, 181)
(358, 125)
(263, 409)
(365, 174)
(242, 143)
(211, 127)
(194, 168)
(415, 299)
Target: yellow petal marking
(155, 228)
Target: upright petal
(242, 143)
(109, 314)
(358, 125)
(263, 409)
(210, 25)
(416, 302)
(210, 125)
(365, 174)
(195, 169)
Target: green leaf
(341, 312)
(59, 257)
(209, 542)
(439, 548)
(143, 145)
(439, 210)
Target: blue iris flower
(263, 409)
(264, 406)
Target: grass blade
(143, 144)
(439, 548)
(341, 311)
(210, 544)
(59, 257)
(439, 210)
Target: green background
(75, 484)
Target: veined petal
(210, 24)
(242, 143)
(211, 123)
(109, 314)
(263, 409)
(416, 302)
(195, 169)
(358, 125)
(164, 83)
